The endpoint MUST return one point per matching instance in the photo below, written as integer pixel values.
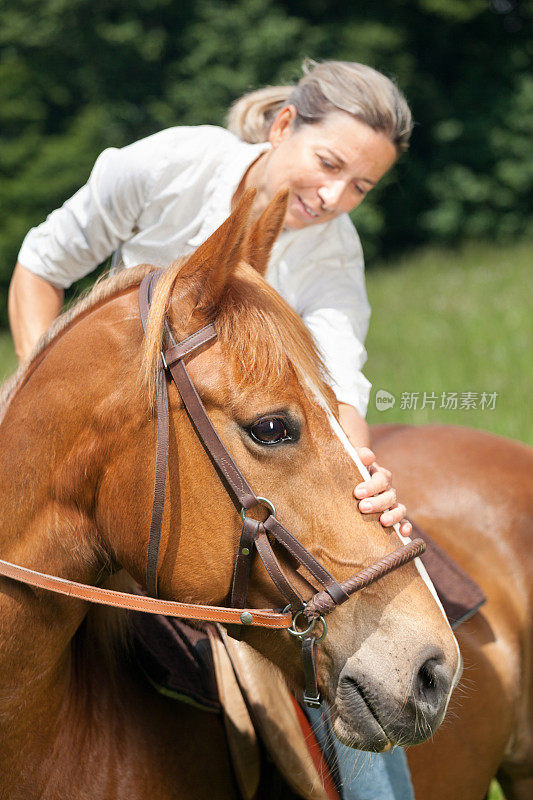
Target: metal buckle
(261, 501)
(300, 634)
(312, 702)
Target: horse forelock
(261, 337)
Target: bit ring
(261, 501)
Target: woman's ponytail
(251, 116)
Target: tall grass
(8, 362)
(454, 321)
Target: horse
(77, 436)
(476, 500)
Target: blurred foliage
(77, 76)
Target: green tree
(77, 76)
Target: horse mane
(106, 286)
(261, 336)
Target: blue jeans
(362, 776)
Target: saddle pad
(240, 731)
(176, 658)
(459, 594)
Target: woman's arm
(71, 242)
(33, 304)
(375, 495)
(81, 234)
(354, 425)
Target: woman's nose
(331, 195)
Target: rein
(255, 534)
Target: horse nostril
(430, 684)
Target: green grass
(495, 792)
(455, 321)
(8, 362)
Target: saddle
(207, 668)
(204, 666)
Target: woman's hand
(377, 495)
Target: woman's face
(329, 166)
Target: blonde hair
(329, 86)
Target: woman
(329, 139)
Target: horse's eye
(270, 430)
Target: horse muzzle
(371, 713)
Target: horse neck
(55, 439)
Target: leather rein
(256, 535)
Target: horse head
(389, 661)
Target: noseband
(299, 616)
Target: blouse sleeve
(89, 226)
(335, 308)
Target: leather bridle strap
(255, 534)
(306, 559)
(243, 562)
(310, 668)
(238, 484)
(322, 603)
(278, 577)
(173, 360)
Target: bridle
(256, 535)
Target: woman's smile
(305, 210)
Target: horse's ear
(264, 233)
(215, 259)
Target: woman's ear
(265, 231)
(281, 128)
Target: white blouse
(162, 196)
